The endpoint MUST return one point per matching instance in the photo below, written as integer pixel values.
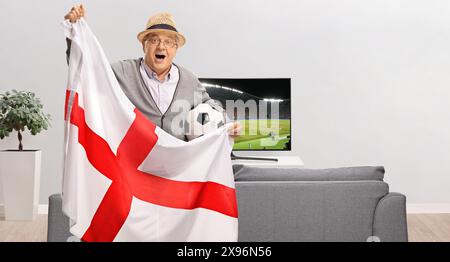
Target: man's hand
(75, 13)
(235, 129)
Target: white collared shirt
(161, 91)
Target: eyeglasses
(166, 42)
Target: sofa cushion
(249, 173)
(308, 210)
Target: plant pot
(20, 173)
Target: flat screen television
(261, 105)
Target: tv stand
(235, 157)
(291, 161)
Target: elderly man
(154, 84)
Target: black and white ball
(202, 120)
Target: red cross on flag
(125, 179)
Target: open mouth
(160, 58)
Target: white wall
(370, 81)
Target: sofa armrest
(58, 223)
(389, 223)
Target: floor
(429, 227)
(24, 231)
(421, 228)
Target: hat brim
(181, 39)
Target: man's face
(160, 50)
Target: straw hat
(162, 22)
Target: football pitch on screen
(258, 141)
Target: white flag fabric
(125, 179)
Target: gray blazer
(188, 94)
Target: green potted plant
(20, 169)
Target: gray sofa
(337, 204)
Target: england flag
(125, 179)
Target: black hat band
(162, 26)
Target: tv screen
(262, 106)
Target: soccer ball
(202, 120)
